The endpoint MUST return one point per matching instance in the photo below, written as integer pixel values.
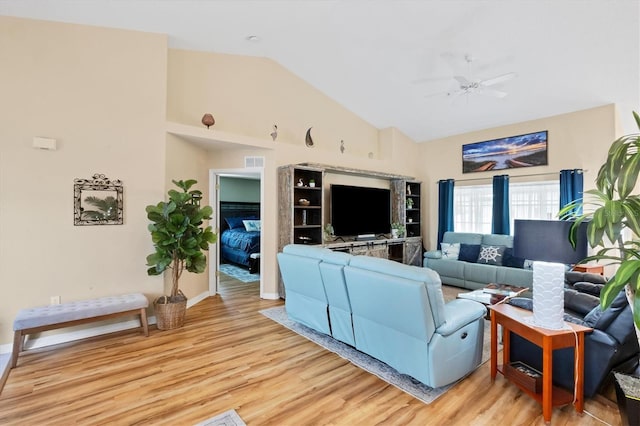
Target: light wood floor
(229, 356)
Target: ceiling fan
(481, 87)
(468, 86)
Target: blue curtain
(500, 223)
(445, 207)
(571, 187)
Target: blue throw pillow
(469, 252)
(508, 259)
(491, 255)
(237, 222)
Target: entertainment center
(304, 198)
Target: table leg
(579, 356)
(506, 344)
(547, 385)
(494, 346)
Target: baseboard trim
(270, 296)
(4, 369)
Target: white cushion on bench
(71, 311)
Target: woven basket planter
(170, 312)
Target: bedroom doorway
(237, 196)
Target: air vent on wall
(253, 161)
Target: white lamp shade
(548, 295)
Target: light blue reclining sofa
(471, 275)
(306, 300)
(390, 311)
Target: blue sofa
(390, 311)
(464, 270)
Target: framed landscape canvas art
(506, 153)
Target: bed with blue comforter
(239, 240)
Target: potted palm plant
(614, 213)
(179, 239)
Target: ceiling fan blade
(463, 81)
(433, 95)
(499, 79)
(430, 80)
(492, 92)
(456, 93)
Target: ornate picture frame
(98, 201)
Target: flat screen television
(548, 241)
(357, 210)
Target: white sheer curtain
(534, 200)
(529, 200)
(472, 208)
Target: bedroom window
(529, 200)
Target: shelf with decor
(301, 196)
(413, 213)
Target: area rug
(403, 382)
(228, 418)
(238, 272)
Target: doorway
(216, 176)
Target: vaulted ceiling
(402, 63)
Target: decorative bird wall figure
(308, 140)
(342, 146)
(274, 134)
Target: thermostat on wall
(44, 143)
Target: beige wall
(101, 94)
(187, 161)
(247, 96)
(576, 140)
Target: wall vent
(253, 161)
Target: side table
(592, 269)
(516, 320)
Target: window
(534, 200)
(472, 205)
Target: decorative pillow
(589, 288)
(450, 251)
(528, 264)
(237, 222)
(508, 259)
(491, 255)
(469, 252)
(252, 225)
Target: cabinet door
(375, 251)
(413, 253)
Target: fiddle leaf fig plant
(614, 213)
(178, 234)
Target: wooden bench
(35, 320)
